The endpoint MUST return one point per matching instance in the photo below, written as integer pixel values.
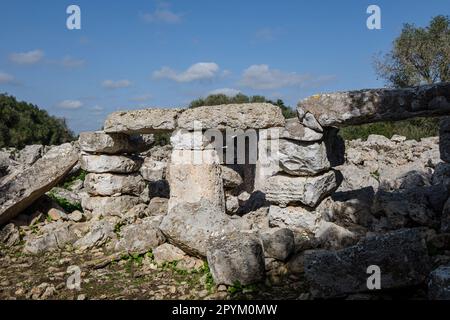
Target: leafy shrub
(412, 129)
(23, 124)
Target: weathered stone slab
(109, 206)
(142, 121)
(236, 257)
(139, 237)
(186, 140)
(278, 243)
(402, 257)
(285, 190)
(365, 106)
(293, 218)
(303, 158)
(27, 186)
(107, 184)
(236, 116)
(295, 130)
(101, 142)
(196, 207)
(110, 163)
(153, 170)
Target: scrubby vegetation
(217, 99)
(412, 129)
(24, 123)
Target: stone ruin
(225, 162)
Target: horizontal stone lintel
(374, 105)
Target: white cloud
(30, 57)
(70, 104)
(6, 78)
(141, 98)
(111, 84)
(69, 62)
(162, 14)
(226, 91)
(97, 108)
(198, 71)
(267, 34)
(261, 77)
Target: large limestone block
(295, 130)
(113, 143)
(33, 182)
(303, 159)
(236, 257)
(196, 209)
(236, 116)
(107, 184)
(142, 121)
(296, 218)
(185, 140)
(153, 170)
(139, 237)
(365, 106)
(285, 190)
(109, 163)
(109, 206)
(402, 257)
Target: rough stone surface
(196, 210)
(29, 185)
(169, 253)
(107, 184)
(110, 163)
(439, 284)
(53, 236)
(236, 116)
(236, 257)
(284, 190)
(401, 255)
(139, 237)
(30, 154)
(296, 218)
(182, 139)
(101, 142)
(365, 106)
(231, 178)
(9, 235)
(310, 121)
(153, 170)
(109, 206)
(142, 121)
(303, 159)
(295, 130)
(278, 243)
(444, 139)
(99, 233)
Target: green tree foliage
(217, 99)
(22, 124)
(419, 55)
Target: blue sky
(136, 53)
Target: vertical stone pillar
(196, 210)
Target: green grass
(80, 175)
(66, 205)
(416, 129)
